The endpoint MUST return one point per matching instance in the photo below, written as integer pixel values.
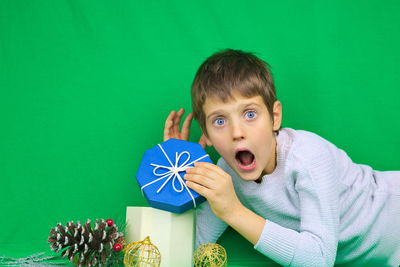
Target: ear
(208, 142)
(277, 115)
(206, 139)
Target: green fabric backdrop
(85, 87)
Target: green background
(85, 87)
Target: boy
(296, 197)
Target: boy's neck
(271, 166)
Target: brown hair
(231, 70)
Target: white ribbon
(173, 172)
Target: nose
(238, 132)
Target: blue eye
(250, 115)
(219, 121)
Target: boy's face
(241, 130)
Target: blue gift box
(160, 175)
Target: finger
(204, 172)
(168, 125)
(201, 180)
(210, 167)
(177, 121)
(202, 141)
(198, 188)
(186, 126)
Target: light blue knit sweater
(320, 208)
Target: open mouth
(246, 160)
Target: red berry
(117, 247)
(110, 222)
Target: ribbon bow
(172, 172)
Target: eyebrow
(241, 106)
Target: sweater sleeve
(316, 242)
(208, 227)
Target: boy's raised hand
(172, 123)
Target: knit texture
(321, 209)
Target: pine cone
(92, 247)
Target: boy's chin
(250, 176)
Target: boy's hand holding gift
(213, 183)
(216, 186)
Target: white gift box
(173, 234)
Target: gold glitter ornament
(142, 254)
(210, 255)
